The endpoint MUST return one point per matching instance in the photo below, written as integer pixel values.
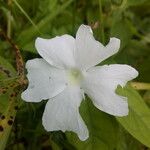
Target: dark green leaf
(102, 129)
(137, 123)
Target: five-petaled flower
(67, 70)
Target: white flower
(67, 70)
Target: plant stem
(140, 85)
(9, 20)
(27, 16)
(101, 23)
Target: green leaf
(102, 129)
(121, 30)
(8, 118)
(137, 123)
(135, 2)
(3, 102)
(29, 34)
(6, 73)
(127, 141)
(6, 69)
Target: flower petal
(62, 113)
(57, 51)
(100, 84)
(45, 81)
(90, 52)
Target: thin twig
(101, 22)
(19, 60)
(140, 85)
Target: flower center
(74, 76)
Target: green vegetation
(23, 21)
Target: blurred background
(25, 20)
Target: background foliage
(23, 21)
